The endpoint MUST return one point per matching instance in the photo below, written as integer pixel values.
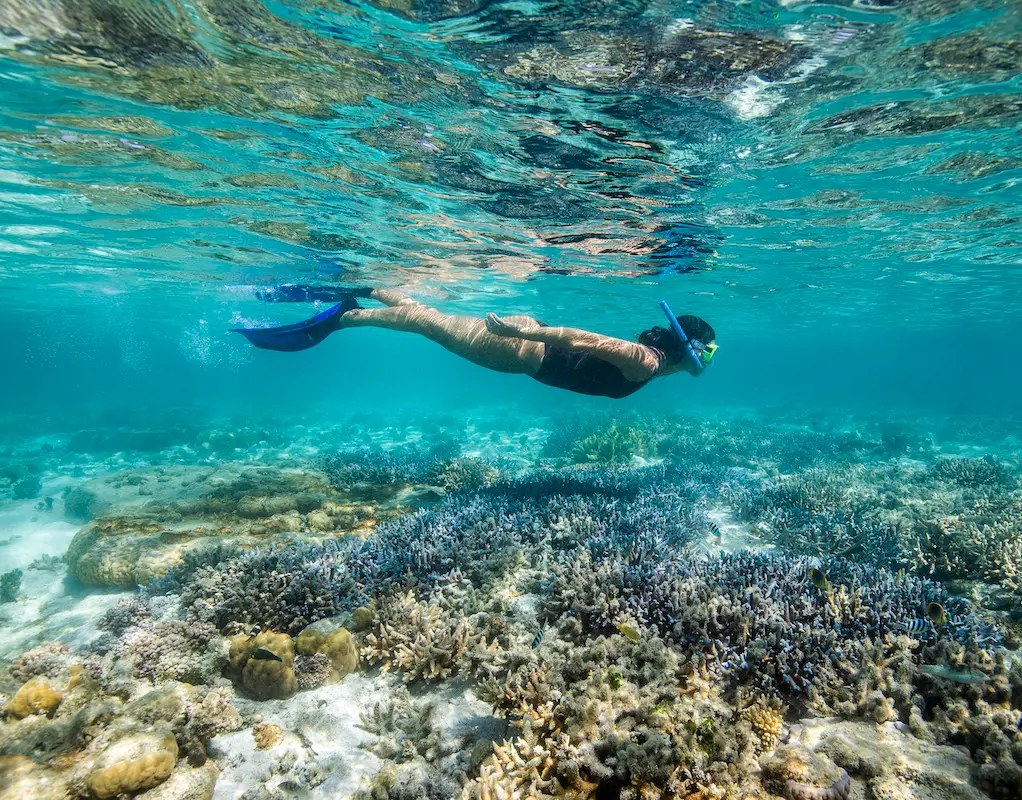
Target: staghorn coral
(400, 465)
(405, 729)
(525, 767)
(755, 617)
(614, 445)
(420, 639)
(973, 472)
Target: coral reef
(596, 609)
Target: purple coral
(183, 650)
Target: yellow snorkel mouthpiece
(708, 353)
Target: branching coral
(419, 639)
(973, 472)
(525, 767)
(614, 445)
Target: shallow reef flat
(812, 607)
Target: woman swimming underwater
(567, 358)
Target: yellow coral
(527, 768)
(133, 765)
(337, 645)
(264, 679)
(35, 697)
(267, 736)
(766, 718)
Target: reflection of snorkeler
(567, 358)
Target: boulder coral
(130, 541)
(333, 641)
(133, 764)
(37, 696)
(264, 678)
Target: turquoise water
(372, 569)
(832, 185)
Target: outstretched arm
(636, 361)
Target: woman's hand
(500, 327)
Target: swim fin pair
(307, 333)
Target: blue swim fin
(300, 335)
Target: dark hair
(666, 341)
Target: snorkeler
(566, 358)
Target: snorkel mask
(699, 362)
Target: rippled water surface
(772, 166)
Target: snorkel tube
(680, 333)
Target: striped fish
(538, 637)
(915, 626)
(714, 529)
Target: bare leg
(464, 336)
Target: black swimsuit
(584, 373)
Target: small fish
(956, 673)
(538, 637)
(629, 631)
(915, 626)
(819, 579)
(936, 614)
(900, 577)
(262, 654)
(715, 530)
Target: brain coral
(133, 764)
(264, 678)
(35, 697)
(336, 644)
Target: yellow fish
(629, 631)
(936, 613)
(819, 579)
